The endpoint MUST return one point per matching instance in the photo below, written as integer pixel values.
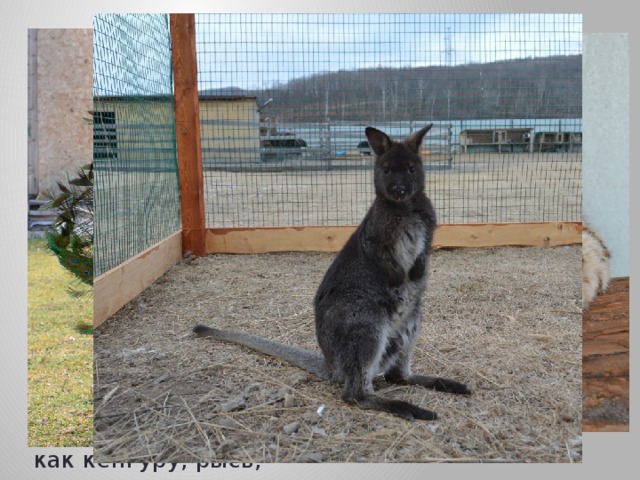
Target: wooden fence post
(187, 115)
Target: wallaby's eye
(386, 170)
(412, 169)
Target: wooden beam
(331, 239)
(187, 114)
(605, 360)
(542, 234)
(115, 288)
(277, 239)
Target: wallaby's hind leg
(400, 372)
(400, 408)
(359, 391)
(437, 383)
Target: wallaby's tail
(311, 361)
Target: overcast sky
(259, 50)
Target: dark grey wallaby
(368, 306)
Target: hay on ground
(507, 321)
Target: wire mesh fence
(135, 168)
(285, 98)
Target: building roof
(217, 95)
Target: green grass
(60, 405)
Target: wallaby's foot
(449, 386)
(437, 383)
(400, 408)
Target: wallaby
(596, 271)
(368, 306)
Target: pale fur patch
(595, 265)
(410, 244)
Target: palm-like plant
(70, 237)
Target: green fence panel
(135, 166)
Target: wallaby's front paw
(396, 278)
(417, 271)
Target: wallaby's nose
(398, 191)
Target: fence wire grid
(135, 166)
(285, 98)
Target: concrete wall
(605, 173)
(60, 98)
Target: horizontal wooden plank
(543, 234)
(115, 288)
(605, 365)
(331, 239)
(276, 239)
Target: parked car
(364, 148)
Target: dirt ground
(506, 321)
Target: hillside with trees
(549, 87)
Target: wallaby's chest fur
(410, 243)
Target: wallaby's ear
(414, 141)
(379, 141)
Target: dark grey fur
(368, 306)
